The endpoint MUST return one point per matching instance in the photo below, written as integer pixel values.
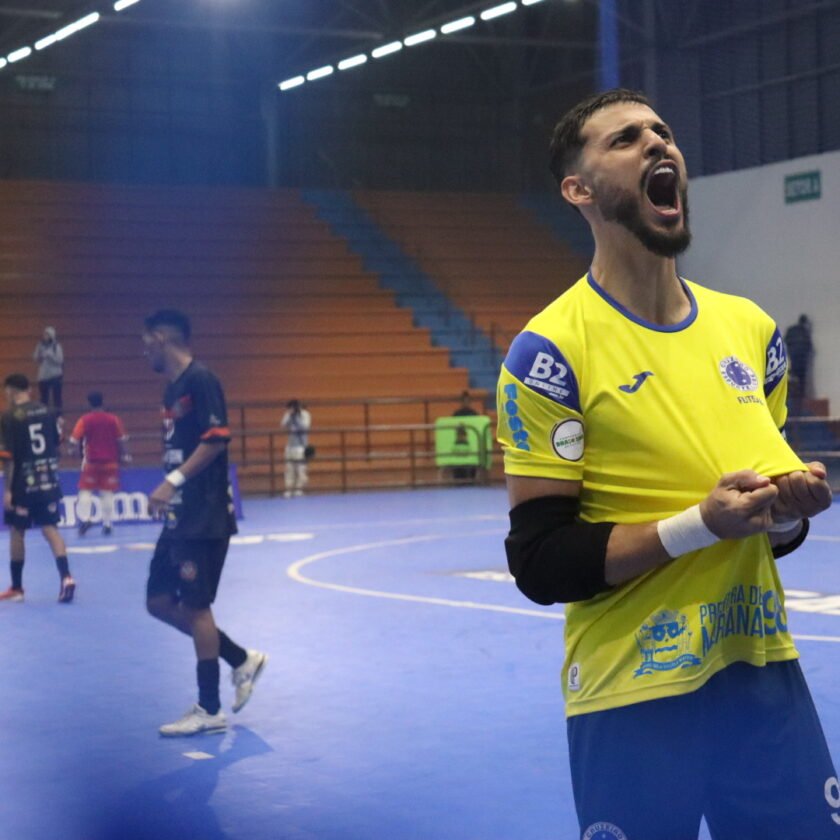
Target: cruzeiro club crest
(738, 374)
(604, 831)
(664, 641)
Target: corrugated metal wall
(745, 82)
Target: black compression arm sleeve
(552, 555)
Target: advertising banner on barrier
(131, 503)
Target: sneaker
(84, 527)
(194, 722)
(67, 591)
(244, 677)
(106, 530)
(12, 594)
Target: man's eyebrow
(627, 128)
(636, 126)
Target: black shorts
(187, 570)
(746, 751)
(35, 512)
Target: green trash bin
(463, 442)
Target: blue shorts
(746, 751)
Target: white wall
(785, 257)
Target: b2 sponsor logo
(549, 375)
(540, 366)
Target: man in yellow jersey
(651, 489)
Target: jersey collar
(686, 322)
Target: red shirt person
(102, 438)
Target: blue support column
(609, 75)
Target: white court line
(294, 573)
(822, 539)
(91, 549)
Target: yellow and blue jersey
(648, 418)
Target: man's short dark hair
(567, 141)
(172, 318)
(18, 381)
(95, 399)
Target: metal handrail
(415, 453)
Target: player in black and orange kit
(196, 503)
(29, 441)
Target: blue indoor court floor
(412, 693)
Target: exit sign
(803, 186)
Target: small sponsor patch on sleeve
(567, 440)
(539, 365)
(776, 365)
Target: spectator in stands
(102, 438)
(296, 421)
(50, 358)
(800, 350)
(465, 409)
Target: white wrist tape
(784, 527)
(176, 478)
(685, 532)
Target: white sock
(107, 499)
(83, 505)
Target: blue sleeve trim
(539, 365)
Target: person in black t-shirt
(465, 409)
(196, 504)
(800, 349)
(29, 441)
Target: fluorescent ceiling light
(498, 11)
(76, 26)
(3, 63)
(420, 37)
(124, 4)
(354, 61)
(45, 42)
(387, 49)
(457, 25)
(410, 41)
(319, 73)
(291, 83)
(17, 55)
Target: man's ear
(576, 191)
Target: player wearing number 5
(29, 450)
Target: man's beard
(620, 206)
